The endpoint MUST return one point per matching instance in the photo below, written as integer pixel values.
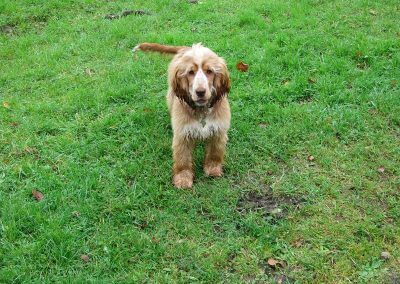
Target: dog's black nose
(200, 93)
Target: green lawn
(86, 123)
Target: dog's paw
(183, 179)
(213, 170)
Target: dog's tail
(146, 46)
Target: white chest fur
(205, 127)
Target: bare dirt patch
(126, 13)
(272, 206)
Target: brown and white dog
(199, 108)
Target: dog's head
(197, 75)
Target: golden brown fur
(199, 108)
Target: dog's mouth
(201, 102)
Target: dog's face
(197, 74)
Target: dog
(197, 100)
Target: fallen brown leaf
(270, 173)
(310, 158)
(275, 263)
(37, 195)
(6, 104)
(263, 125)
(85, 257)
(381, 169)
(13, 124)
(242, 66)
(298, 243)
(272, 262)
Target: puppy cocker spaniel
(199, 108)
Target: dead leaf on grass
(275, 263)
(85, 258)
(298, 243)
(6, 104)
(243, 67)
(381, 169)
(37, 195)
(310, 158)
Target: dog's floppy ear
(222, 81)
(178, 84)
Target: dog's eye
(191, 72)
(209, 71)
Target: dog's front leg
(214, 156)
(183, 161)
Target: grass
(86, 124)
